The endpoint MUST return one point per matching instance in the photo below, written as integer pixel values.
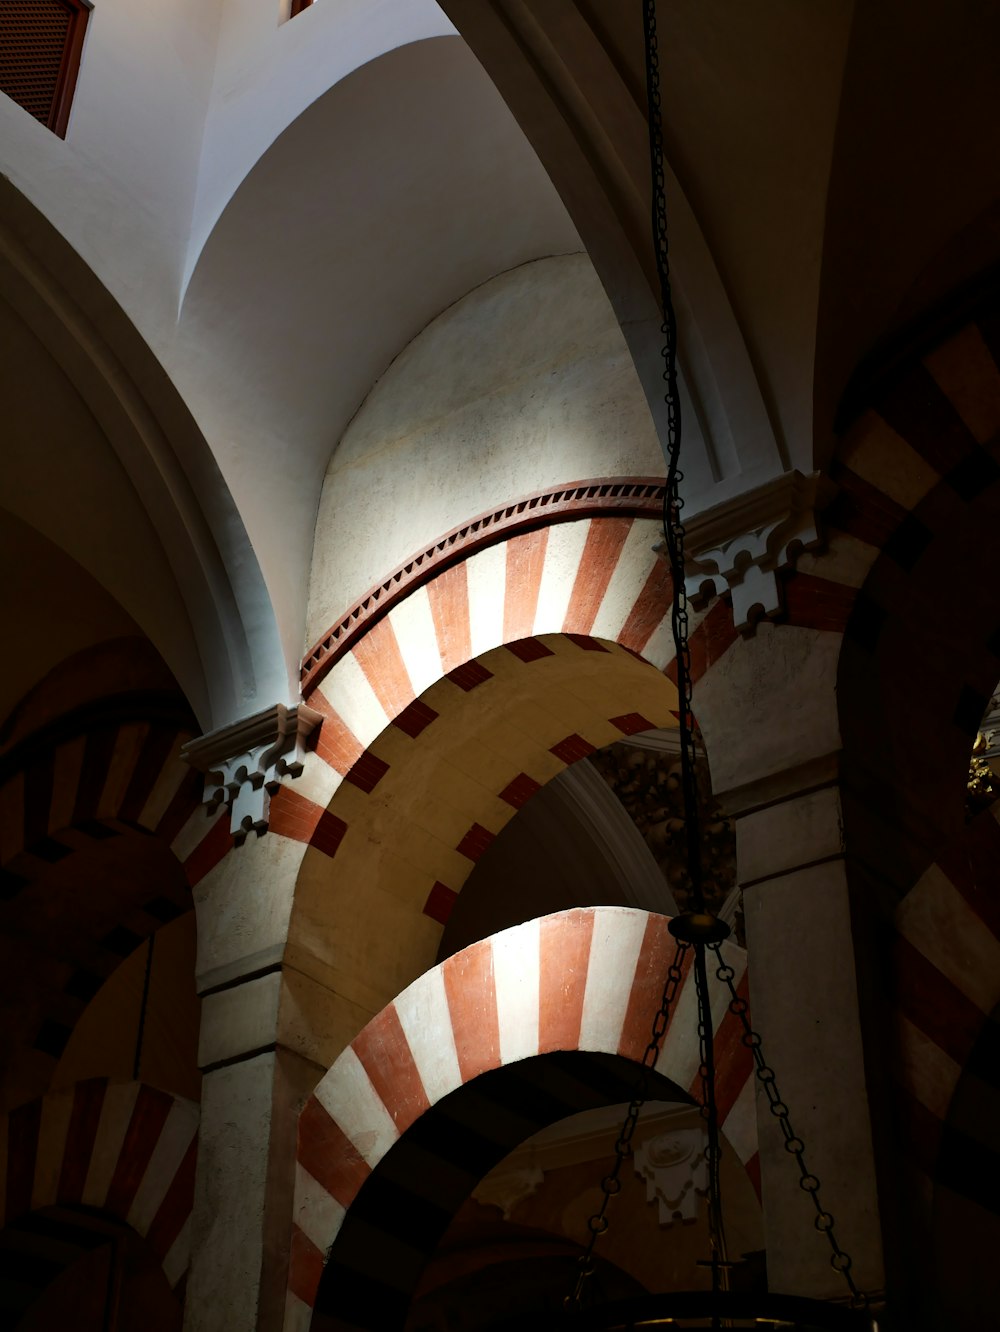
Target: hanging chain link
(673, 526)
(710, 1114)
(840, 1259)
(674, 535)
(611, 1184)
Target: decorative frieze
(675, 1169)
(244, 763)
(739, 546)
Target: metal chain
(611, 1184)
(840, 1259)
(710, 1114)
(673, 527)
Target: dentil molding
(739, 546)
(245, 762)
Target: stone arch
(946, 972)
(446, 777)
(103, 786)
(593, 576)
(918, 505)
(581, 982)
(123, 1148)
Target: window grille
(40, 46)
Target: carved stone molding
(603, 497)
(244, 763)
(675, 1169)
(739, 546)
(506, 1188)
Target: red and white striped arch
(947, 978)
(122, 1147)
(102, 780)
(596, 577)
(588, 979)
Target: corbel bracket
(739, 546)
(675, 1169)
(245, 762)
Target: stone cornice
(245, 762)
(739, 546)
(603, 497)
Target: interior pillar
(767, 710)
(246, 1147)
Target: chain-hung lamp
(699, 935)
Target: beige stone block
(784, 837)
(230, 1190)
(236, 1021)
(805, 1005)
(885, 460)
(243, 907)
(769, 704)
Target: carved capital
(739, 546)
(675, 1169)
(245, 762)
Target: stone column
(768, 712)
(246, 1147)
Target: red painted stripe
(655, 956)
(293, 815)
(970, 863)
(380, 659)
(413, 719)
(817, 603)
(572, 749)
(475, 842)
(385, 1053)
(143, 1133)
(920, 1130)
(528, 649)
(212, 848)
(525, 562)
(601, 553)
(153, 758)
(650, 606)
(88, 1101)
(336, 743)
(297, 817)
(329, 1155)
(470, 675)
(919, 410)
(861, 509)
(97, 755)
(586, 644)
(709, 641)
(519, 791)
(176, 1206)
(733, 1061)
(933, 1004)
(367, 772)
(184, 802)
(632, 723)
(22, 1147)
(564, 959)
(305, 1267)
(752, 1167)
(330, 832)
(449, 598)
(472, 1003)
(440, 903)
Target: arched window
(40, 46)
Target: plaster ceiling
(399, 190)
